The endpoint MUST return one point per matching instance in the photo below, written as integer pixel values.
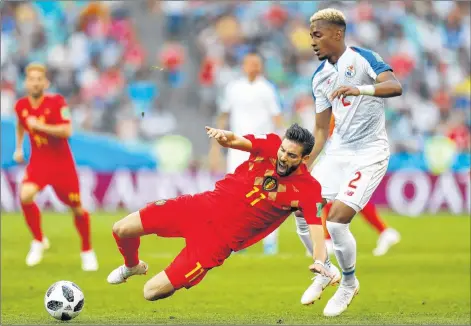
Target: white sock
(302, 229)
(345, 249)
(272, 238)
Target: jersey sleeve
(62, 110)
(264, 145)
(374, 64)
(311, 205)
(320, 99)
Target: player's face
(252, 65)
(325, 38)
(35, 83)
(290, 156)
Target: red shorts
(64, 183)
(187, 217)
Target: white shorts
(351, 179)
(235, 158)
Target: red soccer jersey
(255, 200)
(47, 152)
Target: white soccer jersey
(251, 107)
(359, 120)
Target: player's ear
(306, 158)
(339, 34)
(47, 84)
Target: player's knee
(120, 229)
(78, 210)
(27, 193)
(341, 213)
(156, 291)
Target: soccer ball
(64, 300)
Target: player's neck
(335, 58)
(252, 78)
(35, 102)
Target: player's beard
(289, 169)
(36, 94)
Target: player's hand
(344, 91)
(319, 269)
(217, 134)
(32, 123)
(19, 156)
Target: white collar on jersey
(336, 65)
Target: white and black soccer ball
(64, 300)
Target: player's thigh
(171, 217)
(329, 171)
(129, 227)
(33, 181)
(158, 287)
(67, 188)
(361, 183)
(186, 270)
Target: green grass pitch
(423, 280)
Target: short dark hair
(301, 136)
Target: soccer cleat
(36, 251)
(89, 261)
(386, 240)
(341, 299)
(314, 291)
(122, 273)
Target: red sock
(371, 215)
(82, 223)
(128, 247)
(325, 213)
(33, 219)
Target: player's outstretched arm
(227, 138)
(62, 130)
(321, 133)
(319, 249)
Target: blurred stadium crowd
(101, 57)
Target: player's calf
(159, 287)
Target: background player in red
(244, 207)
(388, 236)
(46, 118)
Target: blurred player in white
(350, 83)
(250, 104)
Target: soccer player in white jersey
(350, 83)
(250, 104)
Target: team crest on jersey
(160, 202)
(269, 184)
(24, 113)
(350, 72)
